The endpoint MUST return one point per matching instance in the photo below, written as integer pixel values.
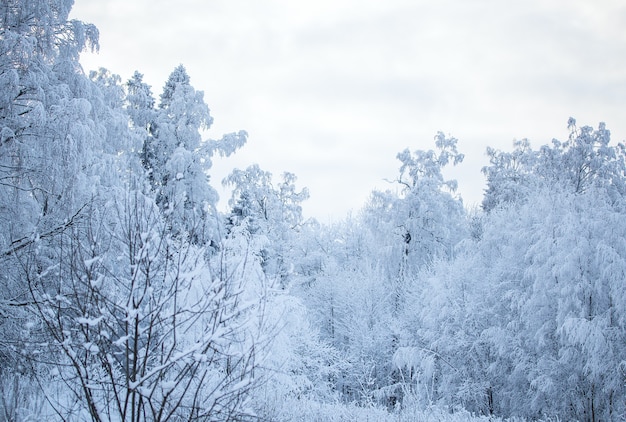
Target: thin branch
(19, 244)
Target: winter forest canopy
(127, 295)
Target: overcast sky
(332, 90)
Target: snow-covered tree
(45, 117)
(43, 96)
(367, 267)
(106, 310)
(524, 322)
(139, 325)
(586, 159)
(175, 156)
(273, 213)
(61, 146)
(424, 220)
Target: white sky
(332, 90)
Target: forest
(126, 295)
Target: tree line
(127, 295)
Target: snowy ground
(312, 411)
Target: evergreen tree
(175, 157)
